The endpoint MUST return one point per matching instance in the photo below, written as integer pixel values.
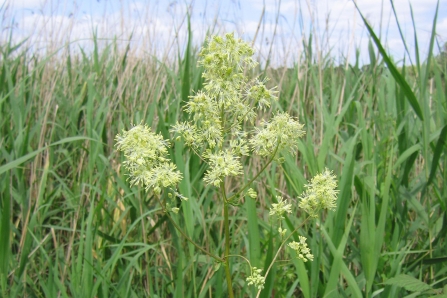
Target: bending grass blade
(393, 70)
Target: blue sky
(160, 27)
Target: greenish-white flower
(252, 193)
(206, 117)
(228, 98)
(239, 147)
(221, 164)
(281, 133)
(202, 106)
(280, 208)
(146, 158)
(256, 278)
(282, 231)
(161, 176)
(261, 96)
(223, 60)
(189, 133)
(321, 193)
(301, 249)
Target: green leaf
(20, 160)
(408, 282)
(434, 261)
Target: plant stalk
(227, 241)
(227, 250)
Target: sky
(278, 29)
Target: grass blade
(393, 70)
(439, 149)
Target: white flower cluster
(280, 208)
(222, 164)
(227, 102)
(301, 249)
(256, 278)
(280, 133)
(146, 158)
(321, 193)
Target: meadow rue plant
(221, 131)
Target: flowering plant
(221, 130)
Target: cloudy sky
(277, 28)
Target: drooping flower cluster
(206, 120)
(301, 249)
(256, 278)
(261, 95)
(321, 194)
(146, 158)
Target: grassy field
(70, 225)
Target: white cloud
(160, 25)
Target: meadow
(71, 226)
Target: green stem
(227, 242)
(226, 219)
(146, 254)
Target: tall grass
(70, 226)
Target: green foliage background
(70, 226)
